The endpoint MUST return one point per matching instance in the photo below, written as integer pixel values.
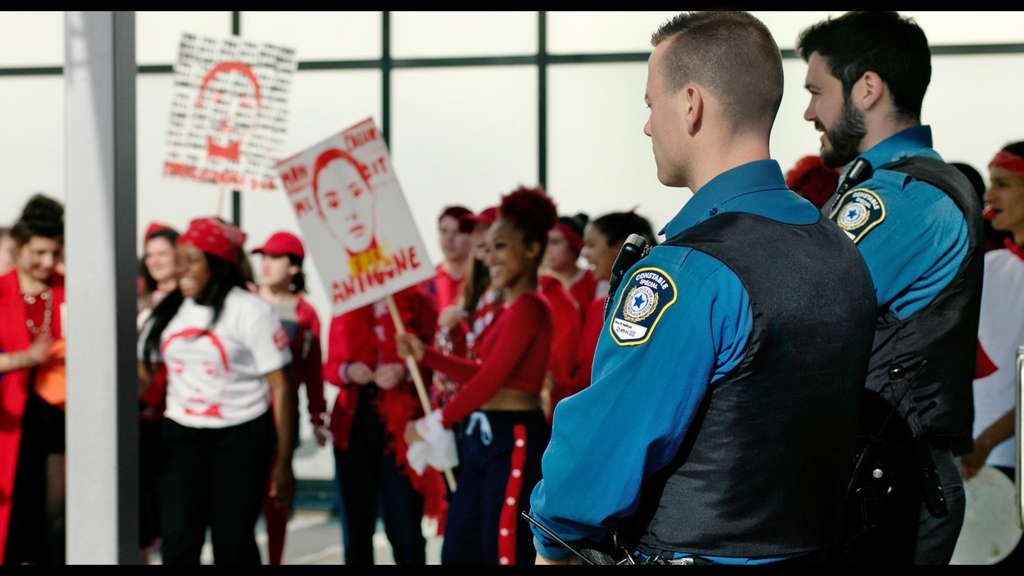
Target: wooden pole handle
(417, 377)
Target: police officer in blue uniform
(720, 423)
(918, 226)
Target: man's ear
(693, 112)
(868, 91)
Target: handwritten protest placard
(354, 218)
(228, 112)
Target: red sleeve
(516, 330)
(566, 319)
(351, 340)
(310, 360)
(457, 368)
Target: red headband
(153, 229)
(214, 237)
(1008, 161)
(574, 239)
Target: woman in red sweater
(505, 434)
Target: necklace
(47, 298)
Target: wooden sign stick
(220, 201)
(417, 378)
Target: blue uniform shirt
(631, 421)
(911, 234)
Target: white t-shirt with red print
(1000, 332)
(217, 378)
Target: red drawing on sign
(229, 104)
(345, 200)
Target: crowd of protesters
(507, 327)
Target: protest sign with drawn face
(228, 112)
(354, 218)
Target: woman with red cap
(226, 354)
(506, 433)
(281, 285)
(157, 279)
(32, 391)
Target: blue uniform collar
(716, 195)
(913, 141)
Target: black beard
(845, 136)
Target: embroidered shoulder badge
(858, 211)
(649, 292)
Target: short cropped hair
(885, 43)
(733, 56)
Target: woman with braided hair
(505, 431)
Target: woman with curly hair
(505, 434)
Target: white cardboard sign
(228, 112)
(354, 218)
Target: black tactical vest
(936, 346)
(764, 467)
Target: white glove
(437, 448)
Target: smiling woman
(506, 433)
(226, 354)
(32, 365)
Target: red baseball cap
(280, 244)
(486, 216)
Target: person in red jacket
(32, 390)
(565, 242)
(445, 288)
(282, 284)
(377, 398)
(604, 237)
(505, 434)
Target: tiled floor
(315, 538)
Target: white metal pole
(102, 392)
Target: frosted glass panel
(318, 35)
(462, 136)
(786, 26)
(31, 39)
(973, 130)
(599, 159)
(441, 34)
(31, 141)
(941, 28)
(157, 34)
(969, 131)
(971, 27)
(590, 32)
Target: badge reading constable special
(645, 298)
(858, 211)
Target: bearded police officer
(720, 423)
(917, 222)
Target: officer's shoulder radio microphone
(633, 249)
